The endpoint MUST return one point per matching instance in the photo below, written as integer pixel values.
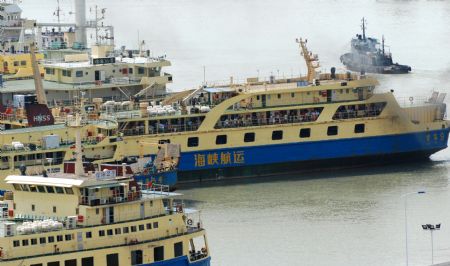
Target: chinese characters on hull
(216, 158)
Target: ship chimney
(80, 21)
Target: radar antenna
(311, 60)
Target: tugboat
(367, 56)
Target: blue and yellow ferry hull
(306, 156)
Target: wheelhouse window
(332, 131)
(277, 135)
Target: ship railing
(114, 198)
(356, 114)
(263, 121)
(155, 189)
(406, 102)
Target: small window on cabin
(292, 95)
(141, 227)
(53, 263)
(79, 74)
(126, 230)
(16, 243)
(221, 139)
(151, 203)
(69, 73)
(24, 187)
(279, 96)
(277, 134)
(360, 128)
(133, 228)
(141, 70)
(34, 241)
(41, 189)
(59, 190)
(16, 63)
(130, 70)
(192, 142)
(158, 253)
(50, 189)
(54, 209)
(347, 91)
(33, 188)
(249, 137)
(257, 97)
(88, 234)
(23, 63)
(24, 242)
(72, 262)
(149, 226)
(51, 239)
(37, 264)
(118, 231)
(332, 131)
(42, 240)
(305, 133)
(68, 190)
(178, 249)
(101, 233)
(109, 232)
(59, 238)
(97, 211)
(155, 225)
(68, 237)
(33, 207)
(88, 261)
(17, 187)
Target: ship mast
(312, 61)
(382, 43)
(40, 93)
(363, 26)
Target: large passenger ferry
(260, 127)
(97, 219)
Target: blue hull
(419, 143)
(181, 261)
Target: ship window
(109, 232)
(133, 228)
(277, 134)
(25, 242)
(101, 233)
(24, 187)
(16, 63)
(37, 264)
(155, 225)
(34, 241)
(51, 239)
(89, 261)
(69, 190)
(42, 240)
(59, 238)
(149, 226)
(130, 70)
(41, 189)
(126, 230)
(178, 249)
(360, 128)
(292, 95)
(117, 231)
(72, 262)
(79, 74)
(249, 137)
(53, 263)
(23, 63)
(88, 234)
(257, 97)
(141, 227)
(158, 253)
(16, 243)
(33, 207)
(192, 142)
(221, 139)
(141, 70)
(59, 190)
(332, 131)
(97, 211)
(305, 133)
(279, 96)
(54, 209)
(136, 257)
(68, 237)
(50, 189)
(69, 73)
(347, 90)
(112, 259)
